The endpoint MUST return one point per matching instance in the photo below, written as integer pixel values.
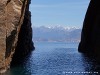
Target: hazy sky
(58, 12)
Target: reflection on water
(56, 59)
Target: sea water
(55, 58)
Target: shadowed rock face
(15, 30)
(25, 44)
(90, 38)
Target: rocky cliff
(15, 31)
(90, 39)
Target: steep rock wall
(12, 15)
(25, 44)
(90, 38)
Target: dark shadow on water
(19, 67)
(92, 65)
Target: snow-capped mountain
(56, 33)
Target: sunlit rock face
(90, 38)
(12, 20)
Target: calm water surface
(56, 58)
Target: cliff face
(90, 39)
(25, 44)
(15, 30)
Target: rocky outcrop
(90, 38)
(15, 30)
(25, 44)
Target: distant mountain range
(56, 34)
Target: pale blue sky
(58, 12)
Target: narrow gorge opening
(58, 21)
(56, 33)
